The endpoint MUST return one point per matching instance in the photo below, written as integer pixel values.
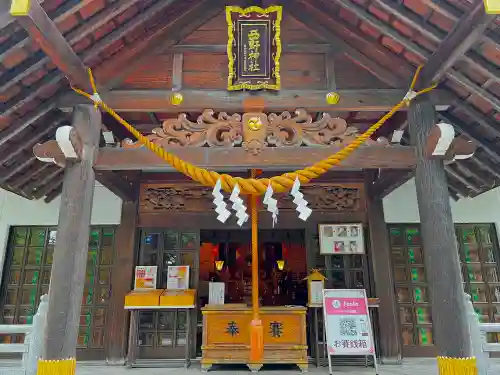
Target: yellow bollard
(59, 367)
(457, 366)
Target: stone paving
(410, 367)
(421, 366)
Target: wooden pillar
(121, 284)
(440, 250)
(389, 331)
(70, 253)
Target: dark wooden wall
(208, 69)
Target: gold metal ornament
(176, 99)
(332, 98)
(254, 123)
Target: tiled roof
(106, 34)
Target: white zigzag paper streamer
(220, 205)
(271, 203)
(238, 206)
(302, 209)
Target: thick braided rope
(254, 186)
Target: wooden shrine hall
(296, 82)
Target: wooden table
(226, 336)
(133, 338)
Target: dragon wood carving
(223, 130)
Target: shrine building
(243, 94)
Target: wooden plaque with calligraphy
(254, 47)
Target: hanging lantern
(219, 264)
(281, 264)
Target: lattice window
(27, 276)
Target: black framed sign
(254, 48)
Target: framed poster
(145, 277)
(347, 324)
(178, 277)
(341, 239)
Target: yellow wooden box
(178, 298)
(143, 298)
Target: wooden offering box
(226, 336)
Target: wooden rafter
(39, 134)
(32, 173)
(220, 100)
(53, 194)
(164, 38)
(419, 51)
(467, 31)
(488, 146)
(436, 35)
(32, 65)
(43, 30)
(18, 167)
(305, 15)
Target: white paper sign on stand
(347, 324)
(216, 293)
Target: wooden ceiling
(456, 41)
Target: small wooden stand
(158, 299)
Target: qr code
(348, 327)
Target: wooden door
(162, 334)
(26, 277)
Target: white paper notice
(216, 293)
(316, 299)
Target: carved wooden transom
(164, 198)
(266, 130)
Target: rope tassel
(253, 186)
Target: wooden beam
(468, 30)
(177, 71)
(122, 279)
(287, 158)
(70, 253)
(222, 48)
(117, 185)
(443, 270)
(220, 100)
(391, 347)
(48, 37)
(388, 181)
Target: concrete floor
(419, 366)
